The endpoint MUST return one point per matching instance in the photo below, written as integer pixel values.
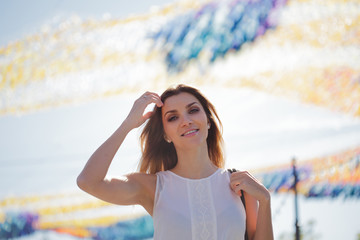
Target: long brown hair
(159, 155)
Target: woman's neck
(194, 164)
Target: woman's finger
(237, 189)
(136, 116)
(147, 115)
(245, 181)
(152, 97)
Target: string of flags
(75, 214)
(331, 176)
(304, 50)
(215, 29)
(18, 224)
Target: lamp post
(297, 228)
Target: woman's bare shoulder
(141, 176)
(147, 183)
(146, 180)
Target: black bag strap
(242, 200)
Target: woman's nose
(186, 120)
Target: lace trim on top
(203, 215)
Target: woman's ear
(167, 139)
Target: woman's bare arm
(258, 209)
(93, 180)
(132, 188)
(264, 228)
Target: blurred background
(284, 76)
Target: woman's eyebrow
(190, 104)
(171, 111)
(187, 106)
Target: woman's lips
(190, 132)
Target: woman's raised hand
(243, 180)
(137, 116)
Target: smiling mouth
(190, 132)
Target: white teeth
(189, 132)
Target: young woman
(181, 183)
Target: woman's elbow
(82, 183)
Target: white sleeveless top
(197, 209)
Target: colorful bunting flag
(331, 176)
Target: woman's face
(184, 120)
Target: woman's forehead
(179, 100)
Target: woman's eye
(193, 110)
(172, 118)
